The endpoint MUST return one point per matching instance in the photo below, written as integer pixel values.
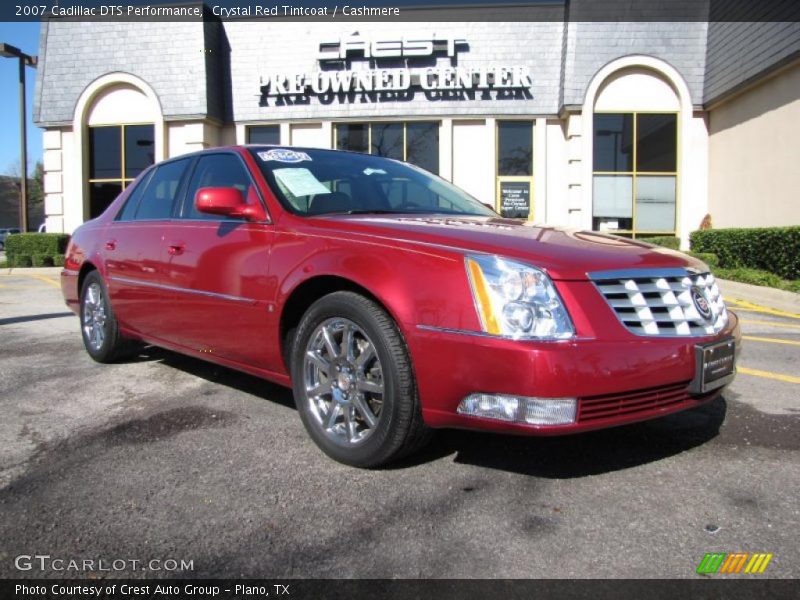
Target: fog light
(491, 406)
(550, 411)
(520, 409)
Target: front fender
(417, 286)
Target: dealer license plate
(716, 366)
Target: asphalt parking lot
(165, 457)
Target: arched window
(119, 129)
(121, 144)
(635, 155)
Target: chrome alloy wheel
(343, 379)
(94, 316)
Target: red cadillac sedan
(394, 303)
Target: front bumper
(619, 381)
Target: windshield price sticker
(300, 182)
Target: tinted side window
(129, 210)
(216, 170)
(156, 203)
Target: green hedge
(666, 241)
(22, 260)
(773, 249)
(42, 260)
(36, 243)
(36, 249)
(707, 257)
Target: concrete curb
(763, 296)
(32, 271)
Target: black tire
(113, 346)
(399, 430)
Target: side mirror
(228, 202)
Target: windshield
(317, 182)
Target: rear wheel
(99, 327)
(353, 382)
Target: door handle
(176, 248)
(111, 245)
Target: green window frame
(635, 173)
(118, 153)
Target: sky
(25, 36)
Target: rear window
(159, 196)
(132, 203)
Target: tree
(36, 195)
(35, 191)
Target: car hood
(563, 253)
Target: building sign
(350, 46)
(371, 78)
(515, 199)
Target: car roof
(237, 147)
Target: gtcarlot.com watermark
(45, 562)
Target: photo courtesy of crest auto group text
(400, 300)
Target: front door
(218, 269)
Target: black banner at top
(405, 10)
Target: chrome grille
(663, 302)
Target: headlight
(515, 300)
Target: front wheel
(99, 327)
(353, 382)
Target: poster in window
(515, 199)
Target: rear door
(133, 249)
(219, 269)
